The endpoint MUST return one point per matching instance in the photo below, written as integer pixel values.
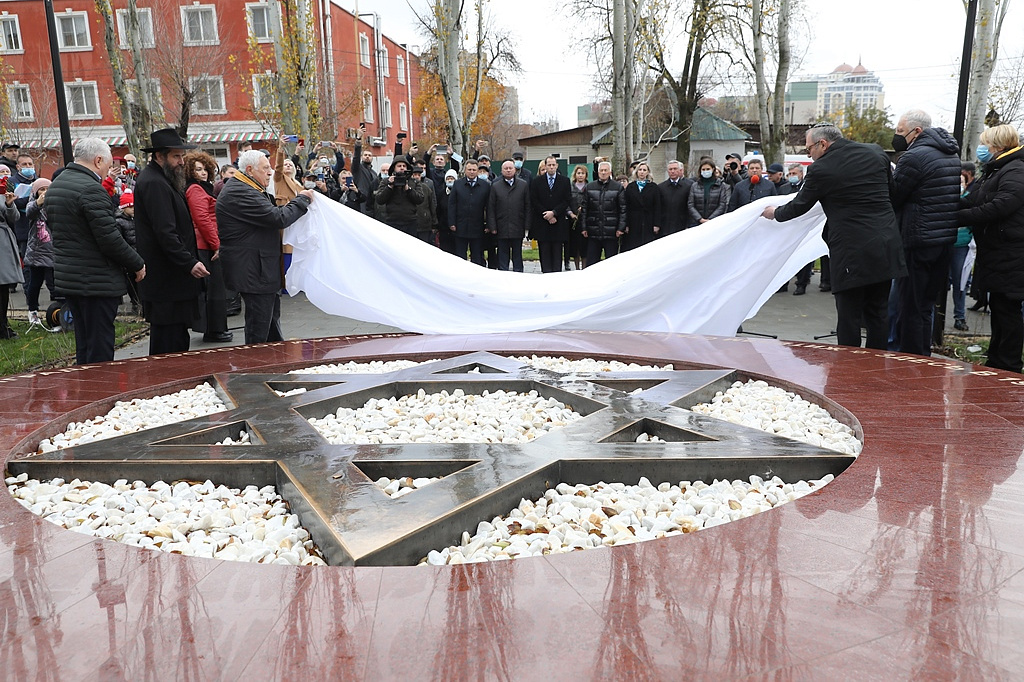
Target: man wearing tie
(675, 195)
(467, 204)
(550, 196)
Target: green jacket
(90, 255)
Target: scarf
(242, 177)
(641, 184)
(205, 184)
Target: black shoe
(824, 287)
(800, 290)
(218, 337)
(8, 333)
(961, 325)
(980, 307)
(783, 289)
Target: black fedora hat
(167, 138)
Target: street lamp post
(58, 84)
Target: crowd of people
(183, 237)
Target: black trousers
(550, 256)
(1007, 342)
(595, 245)
(803, 277)
(928, 272)
(510, 248)
(94, 327)
(213, 311)
(826, 272)
(475, 246)
(262, 318)
(167, 338)
(870, 304)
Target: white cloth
(705, 280)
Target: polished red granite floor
(909, 565)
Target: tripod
(758, 334)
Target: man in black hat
(166, 240)
(524, 173)
(10, 156)
(733, 171)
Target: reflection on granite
(907, 565)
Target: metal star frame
(331, 487)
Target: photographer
(734, 172)
(400, 195)
(350, 194)
(321, 168)
(318, 184)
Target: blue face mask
(131, 165)
(983, 154)
(28, 172)
(794, 180)
(518, 164)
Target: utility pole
(58, 85)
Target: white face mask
(707, 173)
(309, 184)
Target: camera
(325, 163)
(320, 176)
(733, 165)
(348, 181)
(401, 136)
(402, 178)
(442, 149)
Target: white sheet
(705, 280)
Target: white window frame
(403, 117)
(364, 50)
(13, 107)
(387, 112)
(132, 85)
(193, 80)
(84, 16)
(400, 68)
(201, 9)
(84, 85)
(148, 41)
(385, 59)
(249, 7)
(4, 47)
(368, 107)
(260, 101)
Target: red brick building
(223, 53)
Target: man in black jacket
(925, 196)
(675, 197)
(400, 194)
(755, 187)
(90, 255)
(550, 197)
(467, 205)
(250, 243)
(508, 215)
(166, 240)
(363, 174)
(603, 214)
(860, 229)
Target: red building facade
(219, 53)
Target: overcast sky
(912, 45)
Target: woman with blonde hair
(200, 168)
(574, 248)
(995, 211)
(643, 208)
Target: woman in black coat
(575, 250)
(996, 212)
(709, 196)
(643, 209)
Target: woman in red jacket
(200, 168)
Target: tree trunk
(448, 27)
(288, 119)
(619, 85)
(776, 150)
(305, 73)
(123, 100)
(986, 49)
(760, 84)
(146, 117)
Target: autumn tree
(988, 27)
(461, 67)
(871, 126)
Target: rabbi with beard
(166, 240)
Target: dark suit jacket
(555, 199)
(675, 205)
(852, 183)
(467, 207)
(165, 238)
(508, 208)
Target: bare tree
(1006, 91)
(771, 106)
(461, 70)
(128, 120)
(991, 14)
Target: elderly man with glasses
(851, 180)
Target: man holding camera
(426, 213)
(363, 174)
(735, 173)
(400, 195)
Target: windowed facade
(403, 117)
(10, 34)
(208, 95)
(156, 98)
(83, 100)
(385, 61)
(259, 21)
(387, 113)
(264, 92)
(145, 17)
(199, 25)
(400, 68)
(20, 102)
(73, 32)
(364, 49)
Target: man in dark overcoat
(675, 197)
(851, 180)
(166, 240)
(467, 208)
(550, 197)
(250, 227)
(508, 212)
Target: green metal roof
(705, 126)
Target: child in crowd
(39, 250)
(125, 219)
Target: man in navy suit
(550, 196)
